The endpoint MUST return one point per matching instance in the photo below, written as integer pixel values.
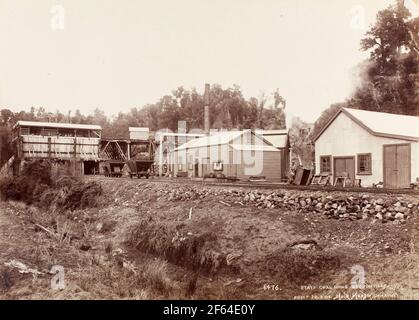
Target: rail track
(266, 185)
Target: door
(343, 166)
(196, 168)
(396, 165)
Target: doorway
(196, 168)
(396, 165)
(91, 167)
(343, 166)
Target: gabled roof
(381, 124)
(278, 138)
(57, 125)
(280, 141)
(272, 132)
(227, 137)
(138, 129)
(250, 147)
(216, 138)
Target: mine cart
(113, 168)
(140, 168)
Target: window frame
(330, 164)
(358, 164)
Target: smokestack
(206, 109)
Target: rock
(379, 202)
(379, 216)
(388, 215)
(341, 209)
(303, 203)
(399, 216)
(99, 227)
(304, 246)
(378, 208)
(401, 209)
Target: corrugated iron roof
(250, 147)
(216, 138)
(272, 132)
(381, 124)
(57, 125)
(278, 138)
(140, 129)
(387, 123)
(278, 141)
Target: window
(364, 163)
(218, 166)
(325, 164)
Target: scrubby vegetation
(35, 185)
(167, 240)
(296, 267)
(160, 240)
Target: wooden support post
(49, 147)
(161, 155)
(75, 144)
(149, 149)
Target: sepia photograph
(216, 152)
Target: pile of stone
(337, 206)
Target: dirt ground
(99, 263)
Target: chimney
(206, 109)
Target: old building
(280, 140)
(371, 146)
(73, 146)
(238, 154)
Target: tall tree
(391, 82)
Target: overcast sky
(116, 55)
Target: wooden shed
(76, 146)
(238, 154)
(371, 146)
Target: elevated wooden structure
(73, 146)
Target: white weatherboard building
(239, 154)
(371, 146)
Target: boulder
(399, 216)
(379, 202)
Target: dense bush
(165, 239)
(10, 188)
(35, 186)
